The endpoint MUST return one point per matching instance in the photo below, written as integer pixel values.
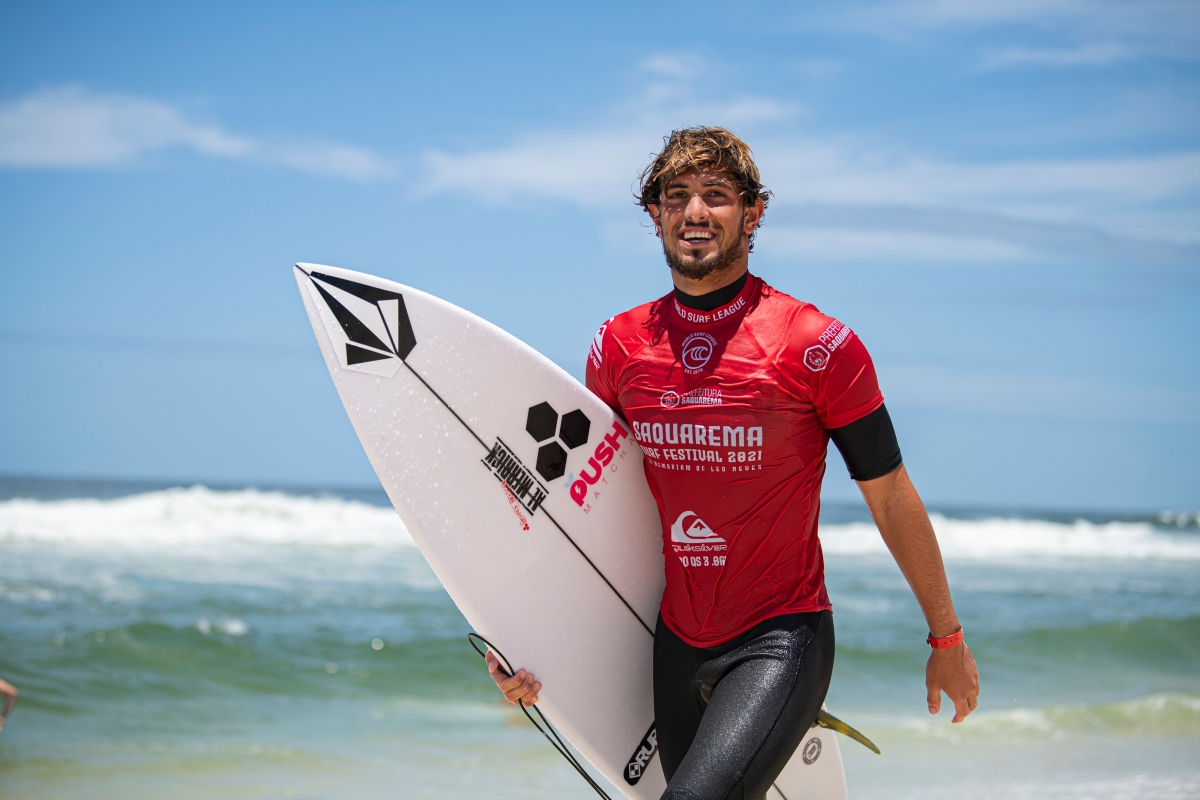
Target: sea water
(199, 642)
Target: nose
(696, 211)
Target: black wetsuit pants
(729, 717)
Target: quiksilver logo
(688, 527)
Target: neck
(707, 301)
(709, 283)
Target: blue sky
(1003, 200)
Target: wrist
(945, 642)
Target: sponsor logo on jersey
(817, 357)
(689, 528)
(597, 353)
(517, 479)
(697, 350)
(696, 397)
(641, 757)
(834, 335)
(601, 458)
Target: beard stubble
(696, 270)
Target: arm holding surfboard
(904, 524)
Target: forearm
(904, 524)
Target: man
(9, 693)
(734, 390)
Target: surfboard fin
(827, 720)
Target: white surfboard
(526, 495)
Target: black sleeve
(869, 445)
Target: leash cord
(547, 730)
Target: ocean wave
(1164, 714)
(199, 516)
(999, 539)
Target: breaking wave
(199, 516)
(1000, 539)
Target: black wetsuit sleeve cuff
(869, 445)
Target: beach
(247, 642)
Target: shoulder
(790, 321)
(626, 333)
(806, 335)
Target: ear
(656, 217)
(753, 216)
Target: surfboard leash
(552, 735)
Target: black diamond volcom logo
(542, 423)
(369, 326)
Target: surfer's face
(704, 225)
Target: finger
(511, 682)
(523, 694)
(961, 710)
(516, 693)
(933, 698)
(494, 665)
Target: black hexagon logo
(542, 422)
(551, 461)
(575, 428)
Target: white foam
(201, 517)
(1162, 714)
(1000, 539)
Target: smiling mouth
(697, 238)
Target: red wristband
(945, 642)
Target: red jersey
(731, 407)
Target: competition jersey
(731, 408)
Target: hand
(952, 671)
(519, 689)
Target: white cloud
(593, 168)
(1085, 55)
(958, 13)
(671, 66)
(335, 161)
(1093, 32)
(69, 127)
(838, 199)
(817, 171)
(857, 244)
